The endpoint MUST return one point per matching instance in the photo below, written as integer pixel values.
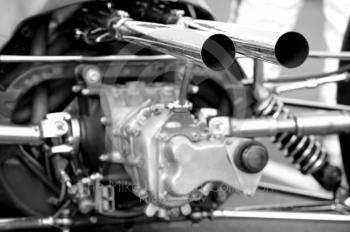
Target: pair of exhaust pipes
(212, 44)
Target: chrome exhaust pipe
(210, 49)
(288, 49)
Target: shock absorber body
(304, 151)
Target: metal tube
(275, 188)
(261, 127)
(289, 49)
(324, 206)
(15, 134)
(25, 223)
(280, 215)
(258, 72)
(289, 79)
(310, 83)
(329, 55)
(306, 124)
(213, 50)
(326, 123)
(312, 104)
(113, 58)
(186, 80)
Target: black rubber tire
(343, 97)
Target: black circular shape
(251, 157)
(218, 52)
(291, 49)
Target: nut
(217, 126)
(93, 76)
(61, 127)
(186, 209)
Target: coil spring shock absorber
(304, 151)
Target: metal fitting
(93, 76)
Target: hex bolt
(186, 209)
(61, 127)
(93, 75)
(217, 124)
(217, 127)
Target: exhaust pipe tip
(291, 49)
(218, 52)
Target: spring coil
(304, 151)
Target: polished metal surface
(289, 49)
(20, 134)
(113, 58)
(10, 224)
(175, 155)
(312, 104)
(183, 157)
(186, 77)
(213, 50)
(281, 215)
(299, 207)
(161, 145)
(309, 83)
(302, 124)
(329, 55)
(276, 188)
(54, 126)
(127, 111)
